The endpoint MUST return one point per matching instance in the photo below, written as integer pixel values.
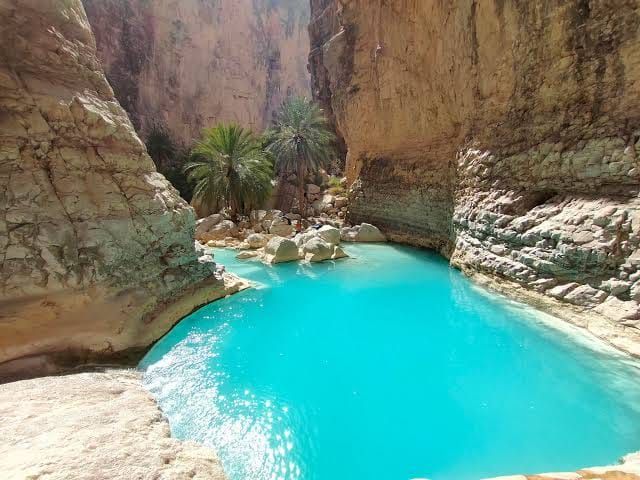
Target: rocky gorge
(505, 135)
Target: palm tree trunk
(301, 200)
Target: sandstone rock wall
(188, 64)
(96, 248)
(504, 134)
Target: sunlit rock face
(188, 64)
(504, 134)
(97, 252)
(98, 425)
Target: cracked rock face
(188, 64)
(504, 134)
(96, 247)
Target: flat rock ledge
(73, 341)
(628, 469)
(93, 426)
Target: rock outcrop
(504, 134)
(188, 64)
(96, 248)
(100, 425)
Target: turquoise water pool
(387, 366)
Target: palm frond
(301, 139)
(231, 168)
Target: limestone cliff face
(96, 248)
(504, 134)
(188, 64)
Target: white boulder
(362, 233)
(304, 237)
(329, 234)
(280, 250)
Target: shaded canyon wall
(96, 248)
(188, 64)
(505, 134)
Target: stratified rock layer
(188, 64)
(93, 426)
(96, 248)
(504, 134)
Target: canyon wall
(504, 134)
(188, 64)
(97, 252)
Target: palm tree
(301, 142)
(231, 169)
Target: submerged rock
(247, 254)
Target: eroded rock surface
(93, 426)
(188, 64)
(504, 134)
(96, 248)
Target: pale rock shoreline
(628, 469)
(93, 426)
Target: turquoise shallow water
(387, 366)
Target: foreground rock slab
(629, 469)
(93, 426)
